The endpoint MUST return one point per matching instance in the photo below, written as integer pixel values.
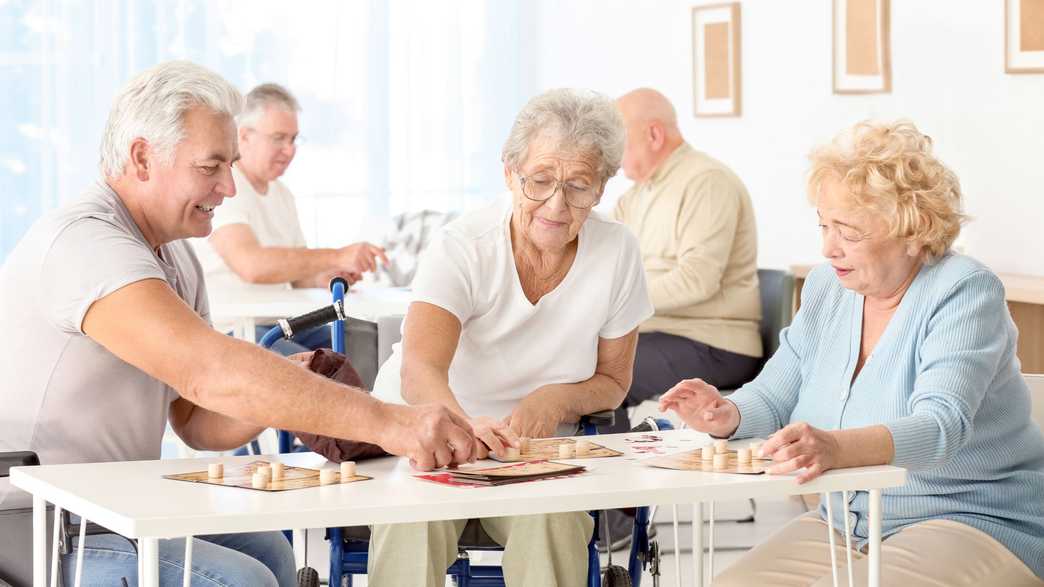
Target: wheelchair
(349, 547)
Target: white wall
(947, 76)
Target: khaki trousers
(935, 552)
(544, 550)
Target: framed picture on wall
(1024, 36)
(862, 49)
(716, 59)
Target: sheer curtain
(405, 103)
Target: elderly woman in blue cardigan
(903, 353)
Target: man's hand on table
(430, 435)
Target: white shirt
(508, 346)
(273, 219)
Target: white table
(133, 499)
(246, 307)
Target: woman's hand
(491, 436)
(536, 416)
(802, 446)
(699, 405)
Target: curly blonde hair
(889, 169)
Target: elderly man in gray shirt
(106, 332)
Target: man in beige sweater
(695, 225)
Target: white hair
(266, 96)
(152, 106)
(579, 119)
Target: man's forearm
(682, 287)
(285, 264)
(247, 383)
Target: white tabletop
(362, 302)
(133, 499)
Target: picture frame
(1024, 36)
(716, 73)
(862, 53)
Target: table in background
(133, 499)
(1025, 295)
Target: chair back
(21, 458)
(777, 306)
(1036, 387)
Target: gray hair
(266, 96)
(152, 106)
(580, 119)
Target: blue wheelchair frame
(350, 557)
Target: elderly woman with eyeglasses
(903, 353)
(524, 318)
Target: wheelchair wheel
(614, 576)
(307, 577)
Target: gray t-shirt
(63, 395)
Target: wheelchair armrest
(22, 458)
(603, 418)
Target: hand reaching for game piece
(536, 416)
(492, 436)
(801, 446)
(699, 405)
(431, 435)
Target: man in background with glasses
(257, 241)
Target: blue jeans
(309, 340)
(260, 559)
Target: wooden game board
(293, 478)
(692, 461)
(546, 449)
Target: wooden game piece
(215, 471)
(511, 453)
(347, 471)
(328, 476)
(278, 471)
(721, 446)
(565, 451)
(583, 448)
(721, 461)
(259, 480)
(707, 453)
(743, 456)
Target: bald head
(652, 131)
(648, 105)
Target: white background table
(133, 499)
(246, 307)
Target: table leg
(250, 329)
(677, 548)
(697, 544)
(39, 542)
(79, 551)
(710, 544)
(875, 538)
(186, 576)
(56, 557)
(149, 556)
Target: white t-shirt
(65, 396)
(272, 217)
(509, 347)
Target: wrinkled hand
(536, 416)
(492, 436)
(802, 446)
(699, 405)
(361, 257)
(430, 435)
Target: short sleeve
(88, 260)
(629, 304)
(444, 278)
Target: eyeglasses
(282, 140)
(541, 188)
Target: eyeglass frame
(559, 186)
